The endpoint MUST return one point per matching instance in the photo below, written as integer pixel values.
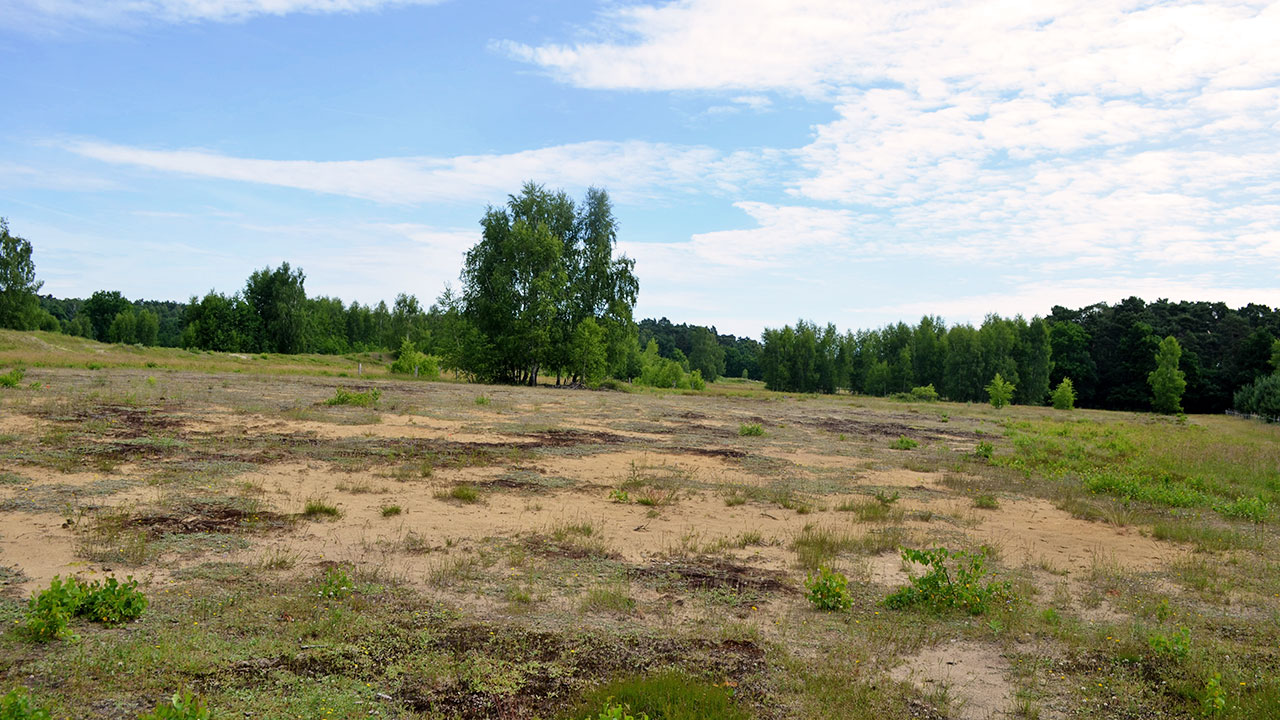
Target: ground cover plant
(626, 553)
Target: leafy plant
(1252, 508)
(1000, 392)
(1064, 396)
(15, 705)
(49, 612)
(619, 496)
(614, 711)
(904, 443)
(1176, 646)
(984, 450)
(986, 502)
(113, 603)
(943, 588)
(886, 499)
(750, 430)
(182, 706)
(343, 396)
(336, 584)
(926, 393)
(11, 378)
(829, 590)
(1214, 701)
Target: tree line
(1108, 352)
(544, 294)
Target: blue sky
(850, 162)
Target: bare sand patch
(972, 675)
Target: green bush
(343, 396)
(904, 443)
(1000, 392)
(1246, 508)
(1261, 397)
(49, 612)
(750, 430)
(410, 361)
(1176, 646)
(939, 591)
(984, 450)
(829, 590)
(17, 706)
(925, 393)
(12, 378)
(1064, 396)
(182, 706)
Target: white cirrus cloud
(44, 13)
(630, 170)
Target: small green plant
(182, 706)
(12, 378)
(343, 396)
(938, 590)
(1253, 508)
(750, 430)
(613, 711)
(15, 705)
(986, 502)
(1000, 392)
(1214, 701)
(1176, 646)
(829, 590)
(319, 507)
(904, 443)
(335, 584)
(619, 496)
(1064, 396)
(886, 499)
(462, 493)
(483, 400)
(111, 602)
(391, 510)
(984, 450)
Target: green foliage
(19, 305)
(12, 378)
(986, 502)
(1253, 508)
(667, 696)
(904, 443)
(336, 584)
(409, 361)
(111, 602)
(15, 705)
(1176, 646)
(614, 711)
(465, 494)
(1167, 381)
(829, 590)
(1214, 700)
(657, 371)
(1260, 397)
(984, 449)
(343, 396)
(925, 393)
(1064, 396)
(999, 392)
(316, 508)
(182, 706)
(588, 359)
(962, 586)
(750, 430)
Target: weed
(613, 711)
(619, 496)
(343, 396)
(750, 430)
(483, 400)
(182, 706)
(734, 498)
(938, 591)
(1176, 646)
(12, 378)
(1214, 701)
(613, 598)
(904, 443)
(278, 559)
(984, 450)
(17, 706)
(465, 494)
(829, 590)
(319, 507)
(335, 584)
(657, 497)
(112, 603)
(986, 502)
(886, 499)
(1254, 509)
(391, 510)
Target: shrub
(1064, 396)
(17, 706)
(925, 393)
(184, 706)
(829, 590)
(409, 361)
(1246, 508)
(49, 612)
(343, 396)
(1261, 397)
(984, 450)
(904, 443)
(12, 378)
(938, 591)
(1000, 392)
(750, 430)
(986, 502)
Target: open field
(453, 550)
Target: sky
(840, 161)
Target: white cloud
(630, 170)
(36, 13)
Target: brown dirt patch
(973, 674)
(713, 573)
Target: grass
(318, 508)
(611, 598)
(465, 494)
(986, 502)
(750, 430)
(343, 396)
(390, 510)
(664, 696)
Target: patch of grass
(1204, 536)
(15, 705)
(871, 511)
(667, 696)
(904, 443)
(816, 546)
(317, 508)
(391, 510)
(750, 430)
(483, 400)
(612, 598)
(986, 502)
(343, 396)
(464, 493)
